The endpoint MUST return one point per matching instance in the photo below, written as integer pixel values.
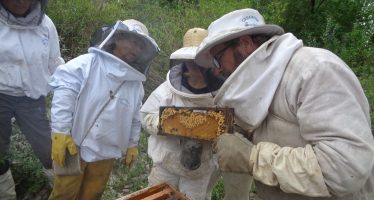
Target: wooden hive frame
(161, 191)
(178, 121)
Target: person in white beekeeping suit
(304, 108)
(29, 54)
(95, 107)
(186, 164)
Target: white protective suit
(314, 139)
(81, 88)
(165, 151)
(28, 77)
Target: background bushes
(345, 27)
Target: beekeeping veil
(105, 39)
(33, 18)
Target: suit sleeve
(66, 83)
(55, 58)
(333, 114)
(136, 121)
(150, 110)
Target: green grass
(218, 191)
(31, 183)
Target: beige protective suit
(315, 140)
(7, 186)
(165, 151)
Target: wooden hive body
(161, 191)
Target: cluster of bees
(190, 119)
(220, 118)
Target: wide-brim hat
(230, 26)
(191, 41)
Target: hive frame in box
(206, 130)
(161, 191)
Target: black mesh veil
(107, 35)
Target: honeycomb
(197, 123)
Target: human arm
(150, 110)
(333, 114)
(55, 58)
(131, 153)
(66, 83)
(265, 159)
(136, 121)
(62, 118)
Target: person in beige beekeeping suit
(96, 108)
(187, 164)
(305, 109)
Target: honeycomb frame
(204, 123)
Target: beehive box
(196, 122)
(161, 191)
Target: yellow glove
(131, 155)
(60, 143)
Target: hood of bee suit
(31, 20)
(129, 28)
(174, 83)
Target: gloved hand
(131, 155)
(234, 151)
(60, 143)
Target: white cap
(230, 26)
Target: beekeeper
(186, 164)
(29, 54)
(304, 108)
(95, 107)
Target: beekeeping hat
(105, 36)
(137, 26)
(230, 26)
(191, 40)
